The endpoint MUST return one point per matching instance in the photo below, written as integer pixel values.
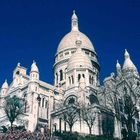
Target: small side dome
(34, 67)
(5, 85)
(128, 64)
(79, 60)
(118, 66)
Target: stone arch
(93, 99)
(72, 99)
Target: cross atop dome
(74, 22)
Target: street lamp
(38, 99)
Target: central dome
(69, 57)
(68, 41)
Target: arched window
(46, 104)
(69, 81)
(39, 103)
(74, 23)
(83, 75)
(90, 79)
(72, 79)
(79, 77)
(71, 101)
(93, 99)
(43, 102)
(65, 72)
(61, 75)
(35, 88)
(17, 72)
(138, 83)
(125, 89)
(56, 78)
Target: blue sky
(32, 29)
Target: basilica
(76, 80)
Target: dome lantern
(74, 22)
(68, 41)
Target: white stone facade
(76, 76)
(29, 87)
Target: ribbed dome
(128, 64)
(5, 85)
(68, 41)
(78, 60)
(34, 68)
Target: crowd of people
(24, 135)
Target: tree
(14, 108)
(70, 115)
(108, 124)
(124, 102)
(89, 116)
